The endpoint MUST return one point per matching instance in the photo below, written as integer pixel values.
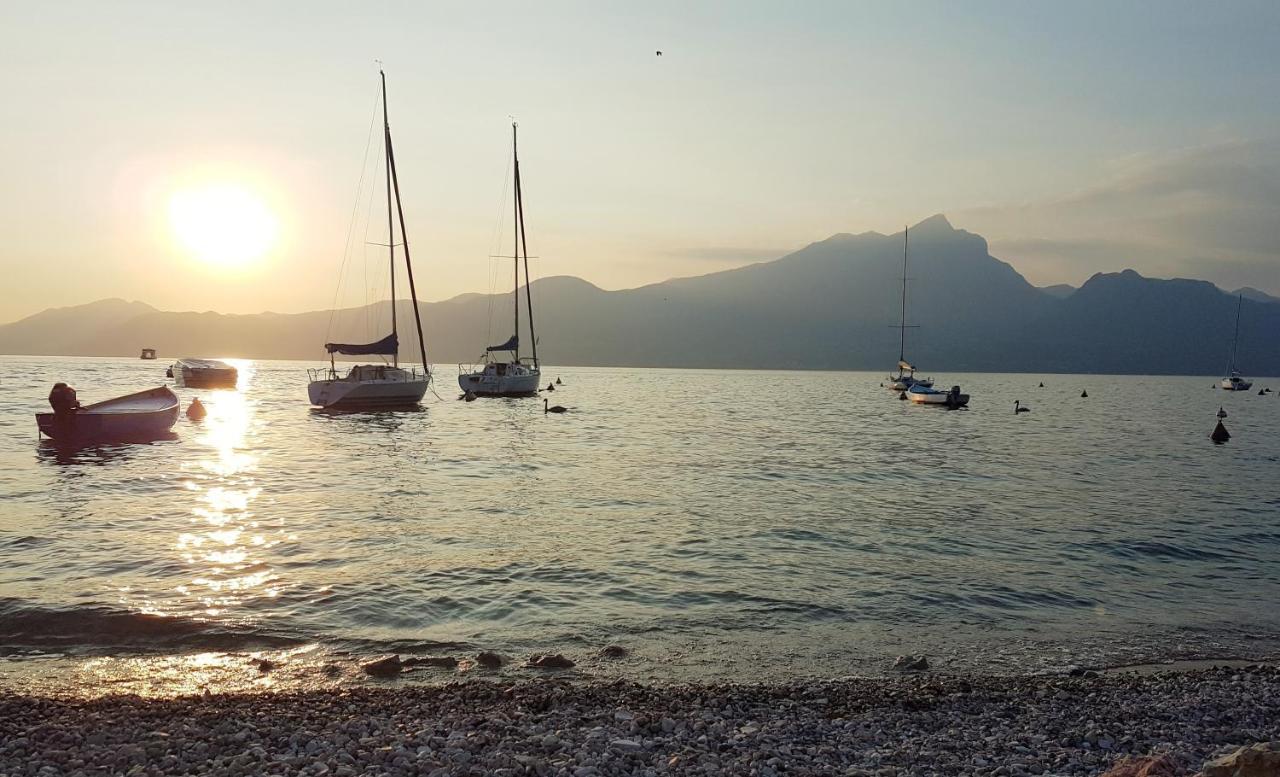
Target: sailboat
(1233, 381)
(378, 385)
(906, 375)
(517, 376)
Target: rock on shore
(906, 725)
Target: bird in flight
(659, 53)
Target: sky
(202, 156)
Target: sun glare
(222, 224)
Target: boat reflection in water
(222, 548)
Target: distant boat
(1233, 381)
(148, 354)
(144, 415)
(378, 385)
(906, 376)
(927, 395)
(516, 377)
(203, 373)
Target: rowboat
(203, 373)
(927, 395)
(144, 415)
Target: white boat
(515, 377)
(203, 373)
(141, 416)
(378, 385)
(906, 376)
(927, 395)
(1233, 381)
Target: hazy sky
(1077, 137)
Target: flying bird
(659, 53)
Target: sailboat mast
(1235, 339)
(408, 263)
(391, 235)
(515, 227)
(902, 327)
(524, 245)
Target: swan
(1018, 408)
(553, 409)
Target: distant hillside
(831, 305)
(1059, 290)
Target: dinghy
(203, 373)
(144, 415)
(927, 395)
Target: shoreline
(919, 723)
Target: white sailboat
(378, 385)
(1233, 381)
(906, 375)
(517, 376)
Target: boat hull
(932, 397)
(487, 384)
(142, 416)
(214, 375)
(347, 394)
(1239, 384)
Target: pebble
(549, 726)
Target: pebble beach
(916, 723)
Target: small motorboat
(144, 415)
(148, 354)
(203, 373)
(927, 395)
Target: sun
(223, 224)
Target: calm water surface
(717, 524)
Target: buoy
(1084, 393)
(902, 395)
(551, 387)
(195, 410)
(558, 383)
(1222, 413)
(1220, 434)
(1041, 384)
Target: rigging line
(368, 219)
(494, 243)
(351, 225)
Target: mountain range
(831, 305)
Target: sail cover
(902, 365)
(509, 345)
(388, 345)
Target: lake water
(718, 525)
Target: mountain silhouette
(831, 305)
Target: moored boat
(148, 354)
(906, 376)
(203, 373)
(517, 377)
(1233, 381)
(378, 385)
(144, 415)
(927, 395)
